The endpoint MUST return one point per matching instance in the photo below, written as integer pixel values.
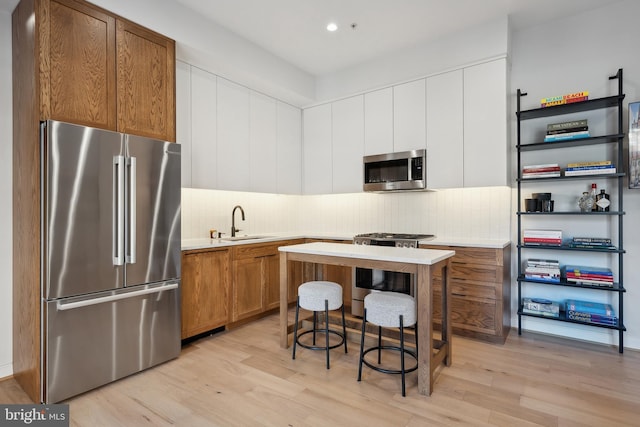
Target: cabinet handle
(458, 295)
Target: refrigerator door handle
(131, 255)
(62, 306)
(118, 210)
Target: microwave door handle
(131, 255)
(117, 210)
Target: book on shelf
(567, 130)
(581, 270)
(596, 163)
(544, 278)
(571, 124)
(543, 233)
(590, 307)
(567, 136)
(592, 167)
(541, 241)
(592, 240)
(598, 283)
(592, 318)
(541, 175)
(581, 245)
(527, 169)
(603, 171)
(535, 262)
(564, 99)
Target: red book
(543, 240)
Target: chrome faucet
(233, 219)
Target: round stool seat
(385, 308)
(312, 295)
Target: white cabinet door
(409, 129)
(378, 122)
(348, 144)
(485, 124)
(233, 136)
(317, 156)
(445, 123)
(289, 149)
(203, 129)
(183, 119)
(263, 143)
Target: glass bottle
(586, 202)
(602, 201)
(594, 196)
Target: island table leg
(284, 304)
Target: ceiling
(294, 30)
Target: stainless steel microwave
(404, 170)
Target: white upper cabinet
(347, 144)
(183, 119)
(204, 157)
(486, 152)
(445, 123)
(317, 163)
(263, 152)
(378, 122)
(409, 118)
(233, 136)
(289, 149)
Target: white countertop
(205, 243)
(377, 253)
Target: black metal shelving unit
(617, 139)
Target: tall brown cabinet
(78, 63)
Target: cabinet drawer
(477, 272)
(484, 256)
(254, 251)
(469, 313)
(468, 289)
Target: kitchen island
(420, 262)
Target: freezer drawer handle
(84, 303)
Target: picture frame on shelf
(634, 145)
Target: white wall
(482, 213)
(6, 194)
(579, 53)
(475, 44)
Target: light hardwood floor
(243, 378)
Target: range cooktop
(395, 236)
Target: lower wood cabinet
(206, 290)
(481, 292)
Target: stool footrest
(390, 371)
(319, 331)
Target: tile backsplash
(483, 213)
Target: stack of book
(565, 131)
(541, 307)
(542, 270)
(590, 243)
(564, 99)
(591, 312)
(584, 275)
(590, 168)
(550, 170)
(542, 237)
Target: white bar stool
(319, 296)
(388, 310)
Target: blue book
(567, 136)
(589, 307)
(584, 269)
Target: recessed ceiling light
(332, 26)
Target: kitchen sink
(240, 238)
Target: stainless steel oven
(366, 280)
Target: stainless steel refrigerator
(111, 256)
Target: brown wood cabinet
(338, 274)
(65, 67)
(256, 279)
(206, 290)
(100, 70)
(481, 292)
